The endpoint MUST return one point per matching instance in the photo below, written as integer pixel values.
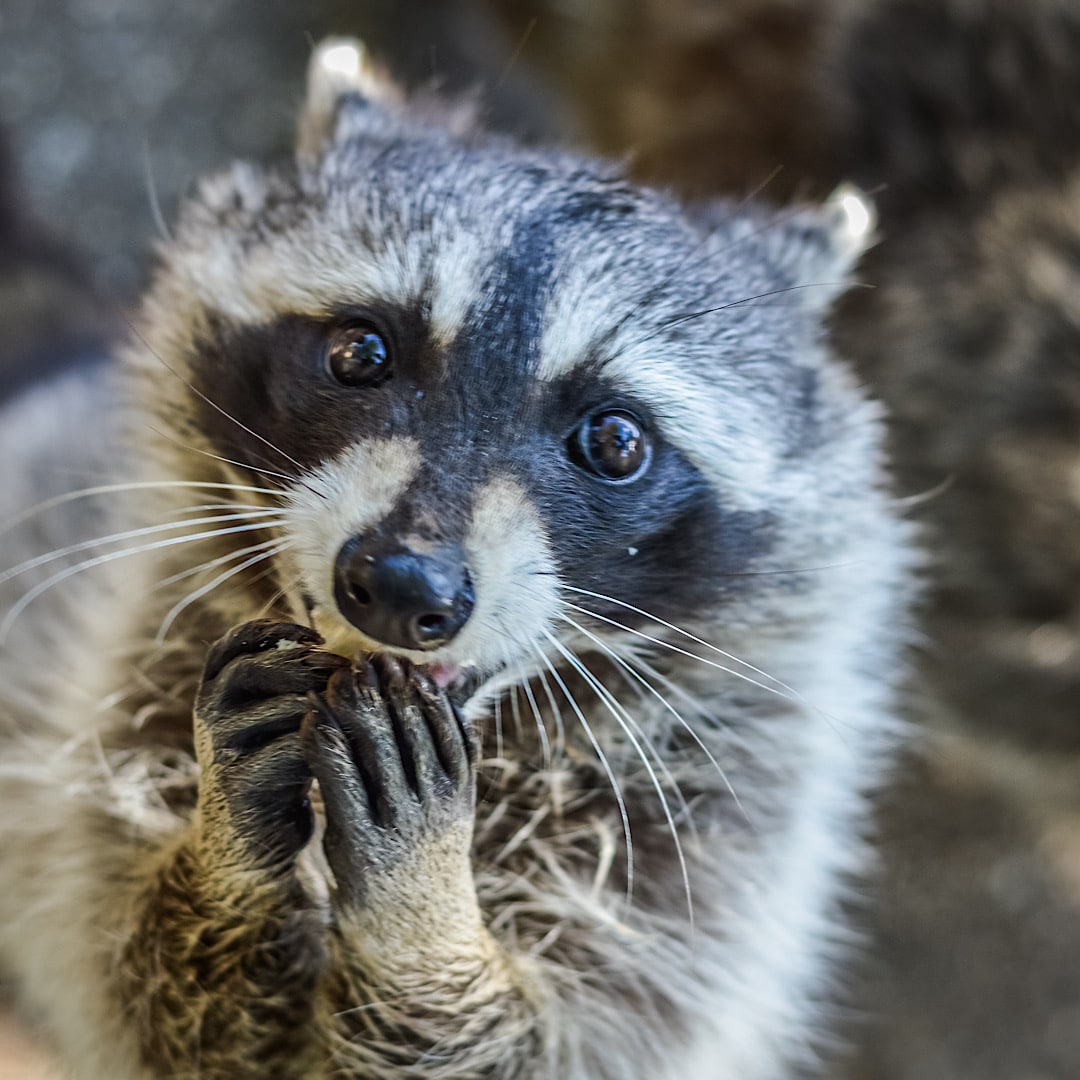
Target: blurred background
(962, 117)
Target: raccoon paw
(396, 765)
(248, 712)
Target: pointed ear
(341, 74)
(820, 247)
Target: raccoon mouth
(445, 676)
(459, 681)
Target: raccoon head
(506, 396)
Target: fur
(739, 610)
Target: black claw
(469, 734)
(394, 763)
(255, 637)
(366, 673)
(423, 769)
(292, 671)
(329, 757)
(343, 692)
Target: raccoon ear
(341, 76)
(820, 247)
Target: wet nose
(401, 597)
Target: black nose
(401, 597)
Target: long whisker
(29, 597)
(673, 687)
(541, 729)
(680, 319)
(213, 404)
(280, 594)
(212, 563)
(605, 696)
(192, 597)
(683, 652)
(678, 630)
(786, 692)
(238, 464)
(624, 718)
(129, 534)
(515, 705)
(515, 55)
(497, 714)
(221, 504)
(107, 489)
(152, 194)
(606, 766)
(756, 190)
(556, 712)
(625, 666)
(698, 249)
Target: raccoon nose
(401, 597)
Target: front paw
(248, 712)
(397, 769)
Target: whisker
(221, 504)
(175, 611)
(515, 705)
(129, 534)
(107, 489)
(757, 189)
(541, 729)
(786, 692)
(846, 564)
(656, 290)
(683, 652)
(515, 55)
(213, 404)
(497, 715)
(605, 696)
(678, 630)
(202, 567)
(280, 594)
(612, 703)
(152, 195)
(238, 464)
(556, 713)
(905, 502)
(673, 687)
(625, 666)
(680, 319)
(606, 766)
(29, 597)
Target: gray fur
(140, 911)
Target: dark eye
(611, 445)
(357, 355)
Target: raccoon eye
(612, 445)
(357, 355)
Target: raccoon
(459, 636)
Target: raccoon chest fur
(475, 638)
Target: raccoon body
(525, 513)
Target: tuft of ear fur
(819, 247)
(851, 221)
(341, 73)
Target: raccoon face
(505, 394)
